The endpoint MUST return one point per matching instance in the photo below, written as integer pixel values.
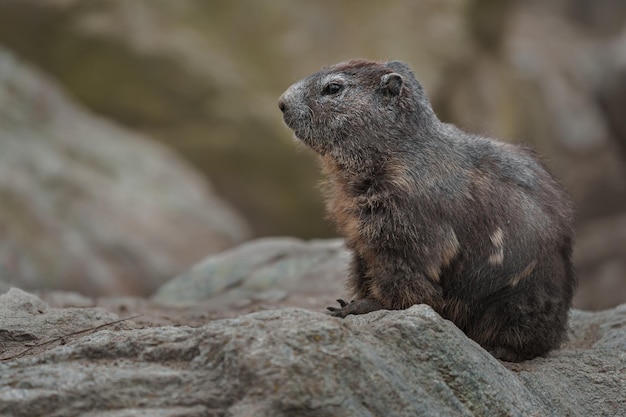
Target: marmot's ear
(392, 83)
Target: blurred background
(137, 137)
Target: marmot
(473, 227)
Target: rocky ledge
(293, 362)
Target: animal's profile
(474, 227)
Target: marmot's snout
(285, 104)
(285, 107)
(286, 100)
(282, 105)
(292, 99)
(291, 103)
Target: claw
(339, 311)
(361, 306)
(342, 303)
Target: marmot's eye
(332, 88)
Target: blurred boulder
(269, 270)
(89, 206)
(601, 258)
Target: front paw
(362, 306)
(339, 311)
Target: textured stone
(268, 269)
(293, 362)
(26, 320)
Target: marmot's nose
(281, 103)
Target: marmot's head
(356, 108)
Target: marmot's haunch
(474, 227)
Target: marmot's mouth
(288, 119)
(297, 124)
(304, 135)
(291, 123)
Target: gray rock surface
(269, 269)
(294, 362)
(87, 205)
(27, 320)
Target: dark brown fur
(474, 227)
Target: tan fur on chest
(343, 209)
(344, 212)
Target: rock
(292, 362)
(5, 279)
(89, 206)
(587, 377)
(611, 95)
(601, 258)
(63, 299)
(27, 320)
(267, 270)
